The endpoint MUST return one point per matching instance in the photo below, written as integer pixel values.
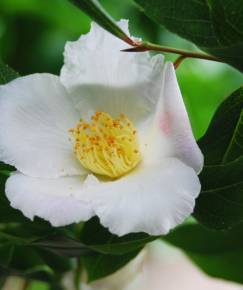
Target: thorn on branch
(135, 49)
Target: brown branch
(147, 46)
(178, 61)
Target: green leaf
(197, 239)
(235, 148)
(99, 265)
(93, 9)
(56, 262)
(7, 213)
(63, 246)
(218, 253)
(6, 253)
(215, 26)
(220, 204)
(224, 131)
(101, 240)
(7, 74)
(30, 266)
(39, 263)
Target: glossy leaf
(215, 26)
(220, 204)
(223, 131)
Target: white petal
(102, 77)
(96, 58)
(35, 115)
(171, 134)
(58, 201)
(151, 199)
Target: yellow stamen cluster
(107, 146)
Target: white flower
(159, 267)
(134, 165)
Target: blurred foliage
(33, 34)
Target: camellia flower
(110, 137)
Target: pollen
(106, 146)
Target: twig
(147, 46)
(178, 61)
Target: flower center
(107, 146)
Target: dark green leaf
(25, 233)
(6, 253)
(7, 74)
(218, 253)
(100, 239)
(54, 261)
(7, 213)
(197, 239)
(216, 26)
(224, 131)
(220, 204)
(225, 266)
(63, 246)
(37, 264)
(93, 9)
(235, 148)
(99, 266)
(30, 266)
